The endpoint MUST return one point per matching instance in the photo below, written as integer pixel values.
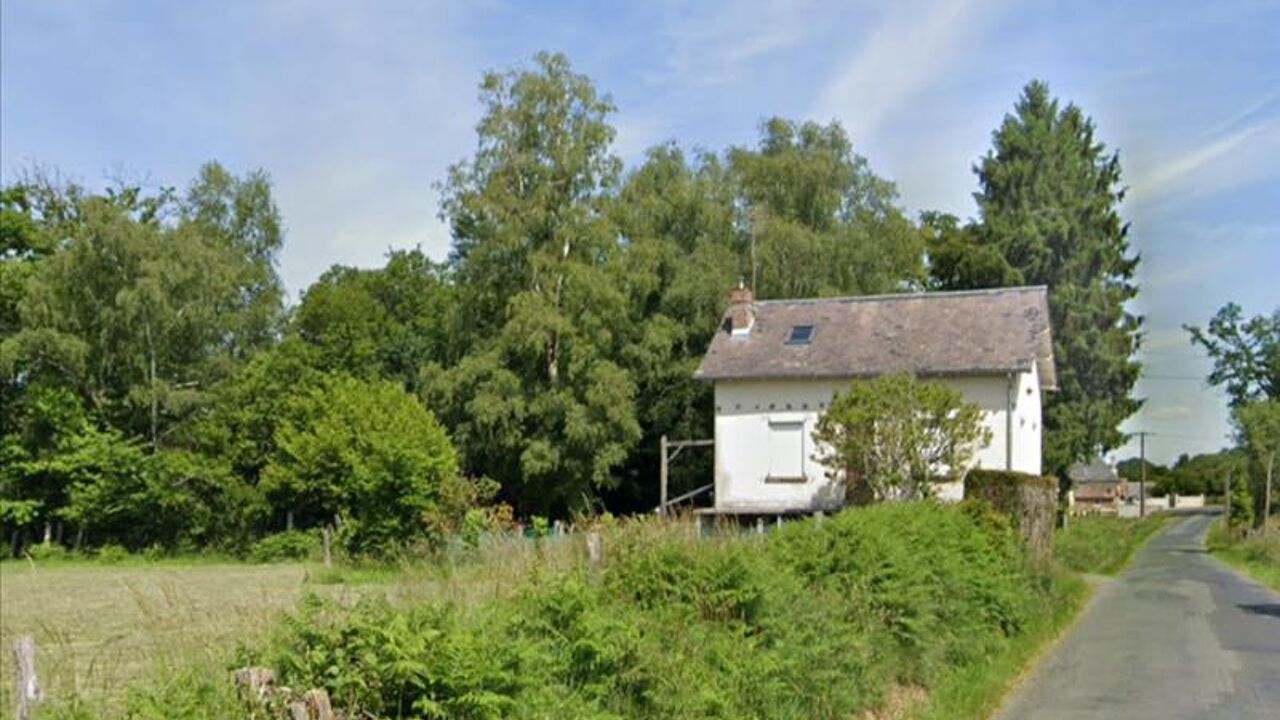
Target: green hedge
(1029, 500)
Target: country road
(1178, 635)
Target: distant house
(1096, 487)
(777, 364)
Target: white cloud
(912, 47)
(1236, 159)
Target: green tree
(386, 322)
(959, 260)
(540, 403)
(1245, 353)
(1048, 199)
(823, 223)
(240, 214)
(1259, 426)
(368, 454)
(683, 252)
(140, 312)
(891, 437)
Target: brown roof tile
(944, 333)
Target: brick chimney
(742, 310)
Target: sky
(357, 109)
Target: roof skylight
(800, 335)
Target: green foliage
(1048, 199)
(1245, 353)
(1256, 554)
(368, 454)
(111, 554)
(382, 323)
(541, 402)
(823, 224)
(48, 551)
(1258, 423)
(290, 545)
(1029, 502)
(893, 435)
(1240, 507)
(815, 620)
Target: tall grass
(1103, 545)
(816, 620)
(1257, 555)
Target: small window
(800, 335)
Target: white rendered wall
(744, 410)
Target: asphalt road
(1178, 635)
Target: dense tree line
(157, 390)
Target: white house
(777, 364)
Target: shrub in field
(111, 554)
(370, 454)
(285, 546)
(48, 551)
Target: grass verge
(976, 691)
(1103, 545)
(1258, 557)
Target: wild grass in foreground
(1101, 544)
(975, 691)
(817, 620)
(105, 628)
(1257, 556)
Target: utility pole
(662, 476)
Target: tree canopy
(1048, 201)
(1245, 353)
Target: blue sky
(356, 109)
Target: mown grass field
(103, 628)
(100, 627)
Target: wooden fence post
(595, 551)
(255, 684)
(29, 693)
(314, 705)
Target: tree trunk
(1266, 503)
(155, 401)
(48, 532)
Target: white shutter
(786, 451)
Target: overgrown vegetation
(1103, 545)
(1255, 554)
(819, 619)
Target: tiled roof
(1094, 471)
(945, 333)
